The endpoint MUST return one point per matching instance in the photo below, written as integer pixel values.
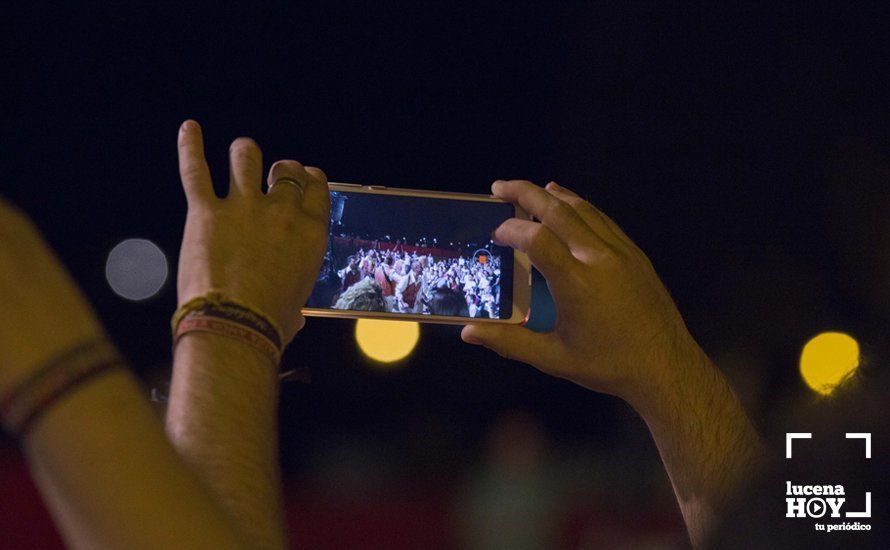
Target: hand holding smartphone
(419, 255)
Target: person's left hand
(42, 312)
(262, 249)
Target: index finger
(553, 212)
(598, 221)
(537, 241)
(193, 168)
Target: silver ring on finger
(288, 181)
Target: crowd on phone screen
(395, 280)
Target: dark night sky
(711, 137)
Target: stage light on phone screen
(827, 360)
(136, 269)
(386, 341)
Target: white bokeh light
(136, 269)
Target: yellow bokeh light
(386, 341)
(828, 359)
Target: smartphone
(419, 255)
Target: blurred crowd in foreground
(518, 490)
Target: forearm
(222, 418)
(704, 437)
(111, 479)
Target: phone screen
(415, 255)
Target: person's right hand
(261, 249)
(617, 329)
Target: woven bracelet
(55, 380)
(218, 314)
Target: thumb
(511, 341)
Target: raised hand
(263, 249)
(617, 329)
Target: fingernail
(472, 340)
(554, 185)
(188, 125)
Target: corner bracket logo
(825, 501)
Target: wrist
(52, 381)
(218, 314)
(19, 364)
(678, 376)
(219, 348)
